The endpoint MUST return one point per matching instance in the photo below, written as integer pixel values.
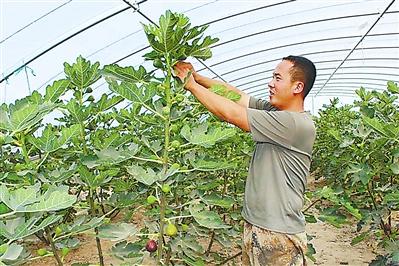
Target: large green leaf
(142, 175)
(166, 38)
(217, 200)
(111, 155)
(59, 175)
(132, 92)
(56, 90)
(106, 103)
(79, 113)
(210, 165)
(375, 124)
(193, 262)
(115, 139)
(395, 167)
(95, 180)
(47, 142)
(117, 232)
(201, 50)
(131, 252)
(13, 252)
(208, 219)
(128, 74)
(53, 201)
(393, 87)
(334, 220)
(176, 39)
(84, 223)
(188, 245)
(23, 116)
(360, 238)
(50, 141)
(200, 135)
(392, 198)
(20, 228)
(19, 198)
(82, 73)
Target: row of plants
(148, 149)
(356, 155)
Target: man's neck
(295, 106)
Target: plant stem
(311, 205)
(375, 208)
(161, 226)
(41, 237)
(165, 159)
(233, 257)
(82, 134)
(2, 216)
(50, 239)
(179, 217)
(210, 243)
(24, 150)
(147, 160)
(42, 161)
(98, 241)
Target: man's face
(281, 88)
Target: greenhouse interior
(146, 132)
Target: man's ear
(299, 87)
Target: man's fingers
(183, 64)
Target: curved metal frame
(319, 52)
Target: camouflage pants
(263, 247)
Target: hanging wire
(36, 20)
(27, 80)
(356, 45)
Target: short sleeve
(256, 103)
(277, 127)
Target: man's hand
(184, 70)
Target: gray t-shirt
(274, 190)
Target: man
(274, 232)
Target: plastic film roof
(352, 43)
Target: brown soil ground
(332, 248)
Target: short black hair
(302, 70)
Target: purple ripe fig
(151, 246)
